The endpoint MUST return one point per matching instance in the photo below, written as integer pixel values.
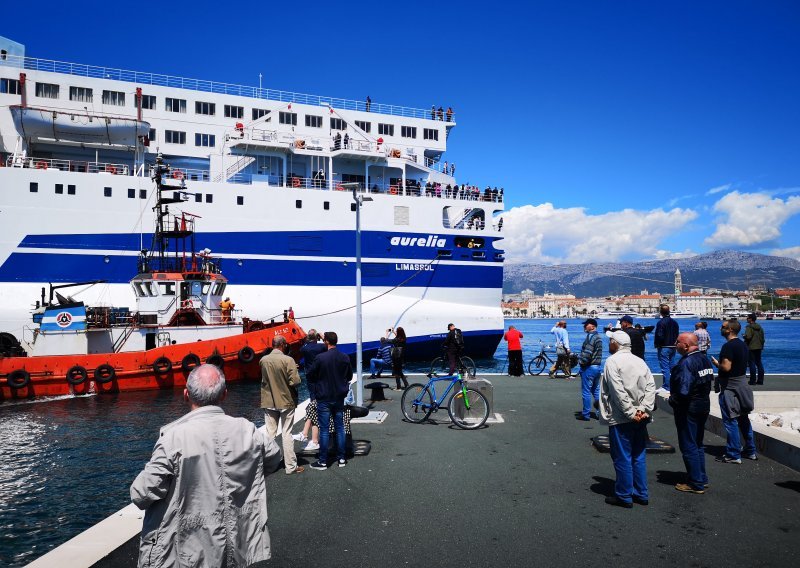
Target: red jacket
(513, 336)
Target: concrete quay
(527, 491)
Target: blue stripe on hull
(54, 267)
(480, 344)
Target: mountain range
(725, 270)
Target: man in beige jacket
(279, 382)
(190, 519)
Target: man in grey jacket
(627, 400)
(190, 519)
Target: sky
(621, 130)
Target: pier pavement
(528, 491)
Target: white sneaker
(311, 446)
(300, 437)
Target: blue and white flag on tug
(60, 318)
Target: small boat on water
(180, 321)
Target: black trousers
(515, 363)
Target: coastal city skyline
(682, 145)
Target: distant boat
(684, 315)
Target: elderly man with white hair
(203, 491)
(627, 400)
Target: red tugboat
(177, 323)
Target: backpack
(459, 338)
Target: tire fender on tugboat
(105, 373)
(217, 360)
(76, 375)
(162, 366)
(190, 362)
(18, 379)
(246, 354)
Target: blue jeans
(737, 428)
(665, 357)
(376, 366)
(756, 367)
(691, 428)
(324, 410)
(590, 387)
(628, 451)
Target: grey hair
(278, 342)
(205, 385)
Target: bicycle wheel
(468, 412)
(438, 366)
(537, 365)
(468, 366)
(417, 403)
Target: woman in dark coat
(398, 354)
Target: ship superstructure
(270, 173)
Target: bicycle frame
(437, 402)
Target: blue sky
(673, 127)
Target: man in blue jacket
(666, 335)
(689, 398)
(328, 382)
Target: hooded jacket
(204, 494)
(627, 385)
(754, 336)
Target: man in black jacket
(453, 345)
(637, 334)
(666, 335)
(328, 382)
(689, 397)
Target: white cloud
(719, 189)
(751, 218)
(791, 252)
(544, 234)
(668, 254)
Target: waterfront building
(700, 304)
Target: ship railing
(191, 174)
(216, 316)
(68, 165)
(83, 70)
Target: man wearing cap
(589, 361)
(691, 386)
(637, 334)
(666, 335)
(627, 400)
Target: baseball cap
(619, 337)
(628, 319)
(591, 321)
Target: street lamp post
(359, 201)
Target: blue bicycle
(468, 408)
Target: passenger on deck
(188, 513)
(433, 112)
(346, 140)
(440, 113)
(494, 194)
(369, 103)
(449, 114)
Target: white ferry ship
(270, 173)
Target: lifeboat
(73, 126)
(181, 319)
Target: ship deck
(527, 491)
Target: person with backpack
(453, 346)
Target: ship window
(326, 205)
(137, 288)
(352, 207)
(232, 111)
(47, 90)
(239, 200)
(167, 288)
(207, 140)
(206, 288)
(259, 112)
(444, 253)
(175, 105)
(198, 197)
(298, 203)
(10, 87)
(3, 54)
(34, 187)
(469, 242)
(59, 188)
(142, 194)
(209, 198)
(151, 136)
(386, 129)
(116, 98)
(364, 125)
(430, 134)
(150, 289)
(408, 131)
(205, 108)
(107, 191)
(70, 190)
(401, 215)
(313, 121)
(149, 102)
(80, 94)
(222, 289)
(338, 124)
(174, 137)
(287, 118)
